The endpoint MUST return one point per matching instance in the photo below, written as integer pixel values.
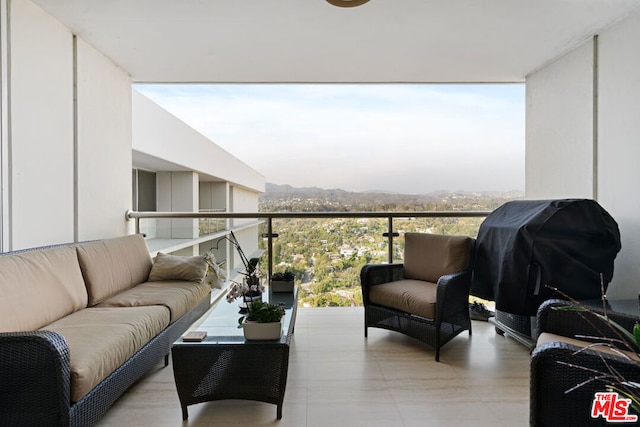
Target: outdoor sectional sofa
(80, 323)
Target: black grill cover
(523, 246)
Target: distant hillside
(292, 199)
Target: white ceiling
(311, 41)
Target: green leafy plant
(263, 312)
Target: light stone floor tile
(339, 378)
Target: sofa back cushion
(429, 256)
(38, 287)
(113, 265)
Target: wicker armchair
(567, 370)
(427, 297)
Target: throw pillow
(173, 267)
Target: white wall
(560, 140)
(4, 127)
(104, 146)
(559, 129)
(242, 200)
(69, 165)
(214, 195)
(184, 198)
(619, 145)
(41, 163)
(178, 192)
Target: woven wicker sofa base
(52, 401)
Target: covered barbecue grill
(525, 246)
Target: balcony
(581, 88)
(339, 378)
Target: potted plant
(282, 281)
(263, 321)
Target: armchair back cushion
(39, 287)
(113, 265)
(429, 256)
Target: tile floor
(339, 378)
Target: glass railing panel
(325, 251)
(211, 225)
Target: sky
(404, 138)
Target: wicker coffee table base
(252, 371)
(226, 366)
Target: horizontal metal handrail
(269, 216)
(130, 215)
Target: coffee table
(226, 366)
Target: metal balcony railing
(268, 217)
(210, 225)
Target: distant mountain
(288, 198)
(287, 190)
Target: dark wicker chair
(427, 297)
(565, 375)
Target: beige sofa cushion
(546, 337)
(172, 267)
(39, 287)
(101, 339)
(429, 256)
(178, 296)
(113, 265)
(408, 295)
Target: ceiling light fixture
(347, 3)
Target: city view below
(326, 255)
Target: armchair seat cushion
(408, 295)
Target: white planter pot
(261, 331)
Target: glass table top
(221, 321)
